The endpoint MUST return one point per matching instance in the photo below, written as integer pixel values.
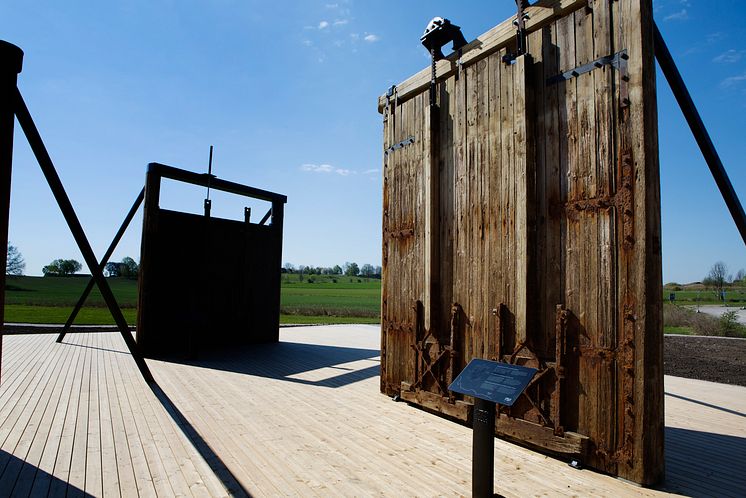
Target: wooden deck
(302, 417)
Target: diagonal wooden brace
(58, 190)
(104, 260)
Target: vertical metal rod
(58, 190)
(208, 203)
(11, 63)
(521, 28)
(684, 99)
(483, 449)
(433, 76)
(102, 265)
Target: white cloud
(729, 56)
(733, 81)
(371, 38)
(323, 24)
(341, 22)
(371, 171)
(331, 5)
(681, 15)
(321, 168)
(326, 168)
(307, 43)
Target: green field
(50, 300)
(734, 296)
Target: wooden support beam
(11, 58)
(58, 190)
(203, 180)
(517, 429)
(149, 231)
(102, 265)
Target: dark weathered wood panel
(549, 235)
(206, 281)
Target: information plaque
(490, 383)
(500, 383)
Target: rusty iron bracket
(399, 234)
(455, 323)
(560, 328)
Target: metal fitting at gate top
(440, 31)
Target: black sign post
(490, 383)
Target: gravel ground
(717, 359)
(717, 311)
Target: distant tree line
(127, 268)
(348, 270)
(62, 268)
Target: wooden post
(644, 313)
(12, 62)
(149, 230)
(277, 221)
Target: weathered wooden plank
(470, 213)
(448, 229)
(570, 444)
(647, 457)
(505, 202)
(459, 410)
(431, 167)
(538, 227)
(524, 197)
(492, 225)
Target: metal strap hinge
(616, 60)
(403, 143)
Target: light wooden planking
(75, 419)
(304, 418)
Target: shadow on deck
(704, 464)
(20, 478)
(289, 361)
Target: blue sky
(287, 93)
